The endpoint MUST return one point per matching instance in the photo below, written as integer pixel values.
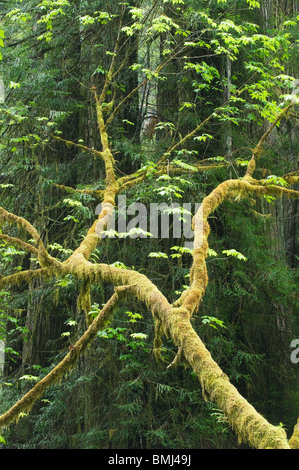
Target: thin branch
(93, 192)
(187, 137)
(133, 182)
(294, 441)
(274, 190)
(19, 243)
(120, 105)
(43, 256)
(23, 276)
(25, 404)
(282, 114)
(258, 149)
(80, 146)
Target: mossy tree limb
(294, 441)
(230, 189)
(247, 423)
(43, 256)
(25, 276)
(25, 404)
(258, 149)
(19, 243)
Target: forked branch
(172, 320)
(25, 404)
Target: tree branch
(80, 146)
(258, 149)
(43, 256)
(24, 276)
(248, 424)
(192, 297)
(294, 441)
(19, 243)
(292, 178)
(69, 361)
(93, 192)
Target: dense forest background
(119, 396)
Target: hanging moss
(248, 424)
(19, 243)
(294, 441)
(25, 276)
(83, 301)
(25, 404)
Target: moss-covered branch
(98, 193)
(19, 243)
(70, 143)
(43, 256)
(230, 189)
(294, 441)
(25, 404)
(248, 424)
(188, 136)
(258, 149)
(24, 276)
(292, 178)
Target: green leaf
(71, 217)
(58, 247)
(71, 323)
(174, 2)
(182, 250)
(212, 252)
(72, 203)
(139, 335)
(241, 162)
(253, 4)
(183, 165)
(133, 317)
(29, 378)
(157, 255)
(235, 254)
(269, 199)
(276, 180)
(203, 137)
(212, 321)
(14, 85)
(187, 105)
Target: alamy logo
(295, 90)
(2, 96)
(155, 221)
(295, 353)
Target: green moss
(294, 441)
